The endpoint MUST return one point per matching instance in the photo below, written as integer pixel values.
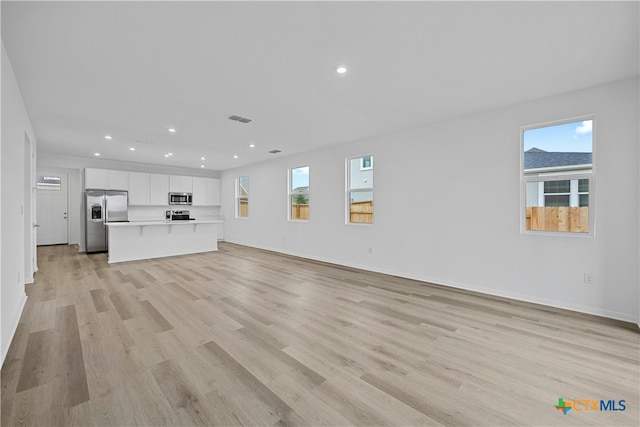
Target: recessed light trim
(203, 158)
(172, 130)
(201, 166)
(166, 155)
(96, 154)
(341, 69)
(235, 156)
(252, 145)
(132, 149)
(239, 119)
(108, 137)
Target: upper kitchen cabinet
(95, 178)
(138, 189)
(158, 189)
(180, 184)
(105, 179)
(118, 180)
(206, 191)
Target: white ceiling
(134, 69)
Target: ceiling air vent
(239, 119)
(275, 151)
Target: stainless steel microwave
(180, 198)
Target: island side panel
(135, 242)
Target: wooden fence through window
(558, 218)
(243, 209)
(299, 211)
(361, 212)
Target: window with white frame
(48, 183)
(360, 190)
(557, 177)
(299, 193)
(242, 197)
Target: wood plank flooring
(248, 337)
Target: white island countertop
(164, 222)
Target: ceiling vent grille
(275, 151)
(239, 119)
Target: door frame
(44, 170)
(29, 210)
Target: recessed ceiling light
(201, 166)
(239, 119)
(108, 137)
(172, 130)
(170, 154)
(132, 149)
(96, 154)
(235, 156)
(252, 145)
(341, 69)
(166, 155)
(202, 158)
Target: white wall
(15, 124)
(447, 203)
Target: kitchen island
(136, 240)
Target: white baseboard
(14, 328)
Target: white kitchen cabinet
(206, 191)
(105, 179)
(158, 189)
(199, 191)
(138, 189)
(95, 178)
(117, 180)
(180, 184)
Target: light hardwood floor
(248, 337)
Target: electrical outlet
(589, 279)
(18, 277)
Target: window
(48, 183)
(557, 176)
(299, 193)
(360, 190)
(242, 197)
(366, 163)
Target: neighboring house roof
(537, 159)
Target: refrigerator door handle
(105, 217)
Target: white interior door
(51, 210)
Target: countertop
(164, 222)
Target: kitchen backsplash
(157, 213)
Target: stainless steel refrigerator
(101, 207)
